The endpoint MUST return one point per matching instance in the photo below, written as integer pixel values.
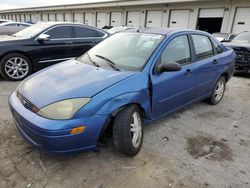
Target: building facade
(226, 16)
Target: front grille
(26, 103)
(242, 55)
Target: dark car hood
(70, 79)
(8, 38)
(236, 45)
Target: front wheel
(15, 67)
(218, 91)
(127, 131)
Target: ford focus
(125, 82)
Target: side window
(203, 47)
(178, 50)
(82, 32)
(218, 49)
(60, 32)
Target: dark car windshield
(32, 31)
(242, 38)
(123, 51)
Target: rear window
(217, 47)
(82, 32)
(203, 47)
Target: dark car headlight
(63, 109)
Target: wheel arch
(225, 75)
(109, 122)
(121, 102)
(18, 52)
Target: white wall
(164, 6)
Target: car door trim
(53, 60)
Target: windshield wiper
(111, 63)
(93, 62)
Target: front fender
(140, 98)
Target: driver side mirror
(168, 67)
(43, 37)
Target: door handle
(188, 72)
(215, 61)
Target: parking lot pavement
(203, 146)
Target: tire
(124, 123)
(15, 67)
(218, 91)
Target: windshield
(242, 38)
(123, 51)
(31, 31)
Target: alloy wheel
(136, 129)
(16, 67)
(219, 91)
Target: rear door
(116, 19)
(154, 18)
(133, 18)
(179, 18)
(206, 62)
(172, 90)
(60, 46)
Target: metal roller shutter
(133, 18)
(116, 19)
(154, 18)
(241, 20)
(179, 18)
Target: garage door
(18, 18)
(89, 19)
(101, 19)
(133, 18)
(27, 17)
(241, 20)
(116, 19)
(52, 17)
(212, 13)
(22, 17)
(33, 18)
(68, 17)
(45, 17)
(154, 18)
(179, 18)
(78, 17)
(59, 17)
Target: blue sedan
(128, 80)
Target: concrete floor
(203, 146)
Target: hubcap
(219, 91)
(136, 129)
(16, 68)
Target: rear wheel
(127, 131)
(15, 67)
(218, 91)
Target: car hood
(70, 79)
(8, 38)
(236, 45)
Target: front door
(58, 48)
(172, 90)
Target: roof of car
(161, 31)
(59, 23)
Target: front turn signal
(77, 130)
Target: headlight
(63, 109)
